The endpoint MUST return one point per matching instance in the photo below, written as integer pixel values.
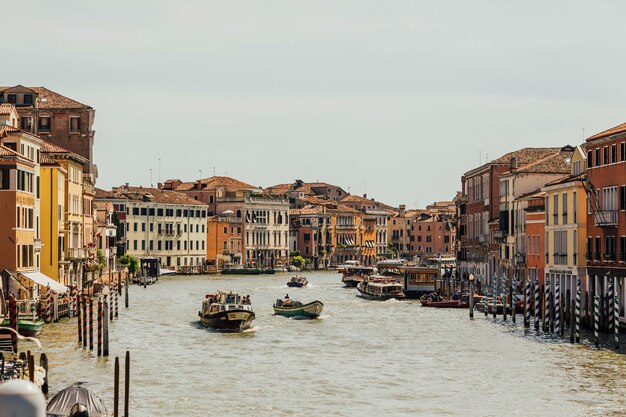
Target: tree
(129, 262)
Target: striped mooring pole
(546, 307)
(527, 304)
(537, 305)
(85, 325)
(557, 306)
(495, 295)
(578, 311)
(91, 324)
(611, 296)
(512, 293)
(616, 319)
(596, 321)
(13, 321)
(73, 300)
(117, 301)
(79, 321)
(504, 305)
(485, 302)
(99, 326)
(110, 302)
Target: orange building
(224, 244)
(535, 237)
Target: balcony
(38, 245)
(606, 218)
(499, 234)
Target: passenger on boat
(286, 296)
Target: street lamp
(471, 296)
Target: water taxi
(380, 288)
(356, 274)
(417, 281)
(294, 308)
(226, 311)
(297, 282)
(348, 264)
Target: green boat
(293, 308)
(26, 327)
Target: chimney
(513, 163)
(401, 210)
(126, 185)
(365, 195)
(159, 185)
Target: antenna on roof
(159, 177)
(213, 171)
(150, 177)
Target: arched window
(238, 213)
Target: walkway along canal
(360, 358)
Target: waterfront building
(162, 224)
(106, 239)
(432, 236)
(382, 213)
(53, 219)
(479, 210)
(517, 182)
(399, 230)
(20, 209)
(55, 118)
(75, 246)
(535, 232)
(224, 240)
(566, 227)
(606, 211)
(311, 227)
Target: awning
(45, 281)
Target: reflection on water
(360, 358)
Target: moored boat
(27, 327)
(297, 282)
(348, 264)
(353, 275)
(226, 311)
(380, 288)
(294, 308)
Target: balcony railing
(606, 218)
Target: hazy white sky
(396, 96)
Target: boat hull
(351, 282)
(379, 297)
(27, 327)
(295, 284)
(310, 310)
(231, 320)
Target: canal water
(361, 358)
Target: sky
(396, 99)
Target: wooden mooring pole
(99, 326)
(105, 329)
(126, 282)
(126, 383)
(116, 388)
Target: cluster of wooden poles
(107, 309)
(29, 360)
(550, 310)
(116, 385)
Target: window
(589, 159)
(574, 207)
(564, 208)
(622, 151)
(44, 124)
(28, 99)
(605, 155)
(12, 98)
(622, 197)
(622, 248)
(4, 178)
(74, 124)
(26, 123)
(598, 161)
(613, 153)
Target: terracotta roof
(4, 151)
(48, 99)
(6, 109)
(6, 129)
(279, 189)
(214, 182)
(558, 163)
(526, 155)
(157, 195)
(609, 132)
(46, 160)
(52, 148)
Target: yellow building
(76, 249)
(566, 227)
(53, 219)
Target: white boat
(348, 264)
(380, 288)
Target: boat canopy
(62, 403)
(45, 281)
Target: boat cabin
(418, 280)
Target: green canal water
(361, 358)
